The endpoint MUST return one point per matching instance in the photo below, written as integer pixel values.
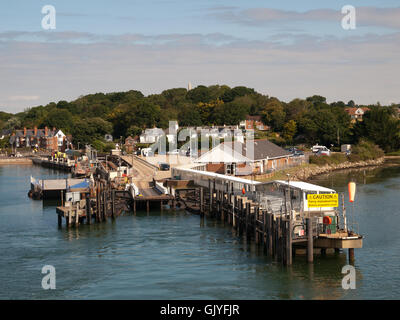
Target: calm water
(175, 256)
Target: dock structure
(274, 214)
(52, 188)
(60, 164)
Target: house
(356, 114)
(252, 157)
(51, 140)
(254, 122)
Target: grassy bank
(363, 154)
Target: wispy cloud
(363, 68)
(366, 16)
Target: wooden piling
(310, 241)
(289, 253)
(351, 255)
(88, 215)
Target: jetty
(278, 215)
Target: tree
(274, 114)
(189, 116)
(60, 119)
(289, 130)
(381, 127)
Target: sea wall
(311, 171)
(15, 161)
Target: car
(323, 152)
(173, 152)
(298, 153)
(164, 166)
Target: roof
(256, 118)
(305, 186)
(237, 152)
(352, 111)
(263, 149)
(221, 176)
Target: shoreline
(309, 173)
(5, 161)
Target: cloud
(361, 68)
(366, 16)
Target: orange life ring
(243, 191)
(327, 220)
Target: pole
(310, 244)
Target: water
(175, 256)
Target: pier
(276, 215)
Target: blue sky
(286, 49)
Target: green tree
(289, 130)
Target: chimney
(24, 131)
(46, 131)
(35, 131)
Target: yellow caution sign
(323, 200)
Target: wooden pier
(275, 221)
(279, 234)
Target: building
(51, 140)
(254, 122)
(252, 157)
(356, 114)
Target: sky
(287, 49)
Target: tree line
(300, 121)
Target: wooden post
(148, 206)
(201, 201)
(134, 207)
(161, 206)
(264, 225)
(113, 204)
(344, 214)
(256, 234)
(77, 214)
(351, 255)
(233, 211)
(209, 197)
(289, 242)
(59, 221)
(310, 241)
(105, 205)
(69, 218)
(247, 217)
(62, 198)
(88, 215)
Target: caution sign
(323, 200)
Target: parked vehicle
(323, 152)
(317, 148)
(164, 166)
(296, 152)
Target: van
(317, 148)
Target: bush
(335, 158)
(365, 150)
